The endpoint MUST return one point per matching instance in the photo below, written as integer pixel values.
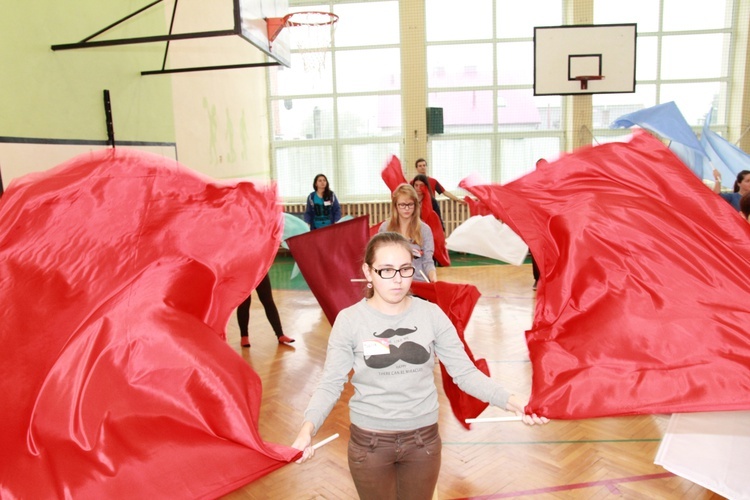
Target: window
(344, 120)
(347, 119)
(494, 126)
(687, 61)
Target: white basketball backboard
(253, 15)
(584, 59)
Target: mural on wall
(228, 145)
(213, 153)
(231, 156)
(243, 137)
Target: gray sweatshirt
(393, 357)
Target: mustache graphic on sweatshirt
(411, 352)
(393, 332)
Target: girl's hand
(517, 405)
(304, 442)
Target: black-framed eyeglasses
(388, 273)
(405, 206)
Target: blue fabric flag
(725, 157)
(667, 121)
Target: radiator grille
(453, 213)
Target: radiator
(453, 213)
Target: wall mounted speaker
(434, 120)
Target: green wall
(59, 94)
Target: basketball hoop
(313, 37)
(586, 78)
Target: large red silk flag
(120, 271)
(642, 304)
(457, 301)
(329, 258)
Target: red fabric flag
(642, 304)
(120, 271)
(476, 207)
(457, 301)
(329, 258)
(393, 174)
(431, 218)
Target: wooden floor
(584, 459)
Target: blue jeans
(403, 465)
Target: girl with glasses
(390, 340)
(405, 210)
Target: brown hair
(424, 180)
(327, 190)
(381, 240)
(414, 231)
(745, 205)
(740, 178)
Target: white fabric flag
(711, 449)
(486, 236)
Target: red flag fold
(120, 272)
(642, 304)
(431, 218)
(329, 258)
(457, 301)
(393, 174)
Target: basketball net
(312, 37)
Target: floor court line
(610, 484)
(578, 441)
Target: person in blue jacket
(323, 207)
(741, 188)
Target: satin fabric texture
(643, 302)
(329, 258)
(457, 301)
(119, 272)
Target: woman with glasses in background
(405, 210)
(389, 340)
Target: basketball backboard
(254, 28)
(584, 59)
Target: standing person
(323, 207)
(422, 180)
(390, 340)
(405, 210)
(421, 166)
(741, 188)
(272, 313)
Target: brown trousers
(400, 466)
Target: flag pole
(325, 441)
(485, 420)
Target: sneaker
(285, 340)
(245, 341)
(533, 287)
